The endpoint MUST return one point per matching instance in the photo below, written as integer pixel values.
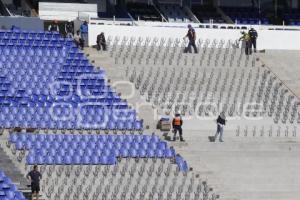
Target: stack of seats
(143, 11)
(245, 15)
(9, 191)
(292, 17)
(48, 83)
(174, 13)
(206, 12)
(74, 149)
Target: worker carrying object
(177, 126)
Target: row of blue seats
(8, 190)
(105, 97)
(256, 21)
(292, 16)
(31, 45)
(12, 48)
(41, 123)
(89, 107)
(31, 38)
(102, 121)
(295, 23)
(121, 120)
(9, 62)
(109, 96)
(31, 51)
(88, 93)
(32, 57)
(103, 105)
(12, 32)
(109, 105)
(35, 41)
(73, 79)
(67, 149)
(15, 136)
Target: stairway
(7, 166)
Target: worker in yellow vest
(177, 126)
(246, 39)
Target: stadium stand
(54, 64)
(59, 111)
(128, 178)
(9, 191)
(142, 11)
(66, 149)
(205, 13)
(174, 13)
(26, 102)
(245, 15)
(116, 11)
(292, 16)
(170, 79)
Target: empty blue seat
(92, 149)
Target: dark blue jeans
(84, 36)
(190, 45)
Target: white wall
(268, 39)
(66, 11)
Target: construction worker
(177, 126)
(101, 42)
(220, 126)
(53, 26)
(191, 35)
(253, 36)
(69, 29)
(84, 32)
(247, 42)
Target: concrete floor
(241, 168)
(285, 64)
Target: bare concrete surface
(262, 165)
(285, 64)
(116, 76)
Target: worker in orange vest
(177, 126)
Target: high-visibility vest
(246, 37)
(177, 121)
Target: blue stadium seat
(67, 149)
(61, 61)
(8, 191)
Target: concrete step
(8, 167)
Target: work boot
(182, 140)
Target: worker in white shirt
(220, 126)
